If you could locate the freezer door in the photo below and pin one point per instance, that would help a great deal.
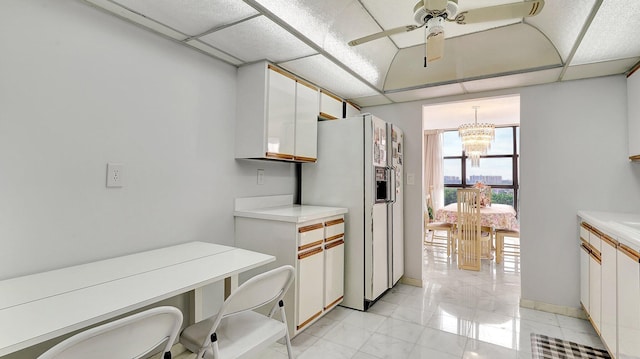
(376, 254)
(396, 207)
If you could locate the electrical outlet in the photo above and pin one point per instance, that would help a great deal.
(260, 176)
(115, 173)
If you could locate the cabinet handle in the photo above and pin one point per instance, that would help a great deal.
(333, 238)
(629, 252)
(310, 253)
(334, 302)
(304, 159)
(585, 225)
(310, 228)
(585, 247)
(595, 257)
(280, 156)
(306, 246)
(333, 244)
(333, 222)
(610, 241)
(281, 71)
(327, 116)
(308, 320)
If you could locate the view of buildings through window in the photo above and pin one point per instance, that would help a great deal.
(498, 169)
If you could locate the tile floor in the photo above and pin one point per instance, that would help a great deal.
(457, 314)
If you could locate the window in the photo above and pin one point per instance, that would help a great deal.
(498, 169)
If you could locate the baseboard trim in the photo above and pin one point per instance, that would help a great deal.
(411, 281)
(552, 308)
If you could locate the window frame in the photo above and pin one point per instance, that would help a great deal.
(515, 156)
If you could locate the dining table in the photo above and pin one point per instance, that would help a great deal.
(496, 216)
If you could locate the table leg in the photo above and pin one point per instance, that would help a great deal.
(195, 306)
(230, 284)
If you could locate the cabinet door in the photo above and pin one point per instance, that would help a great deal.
(608, 313)
(633, 113)
(595, 291)
(333, 273)
(281, 107)
(309, 286)
(351, 110)
(306, 131)
(628, 303)
(330, 106)
(584, 266)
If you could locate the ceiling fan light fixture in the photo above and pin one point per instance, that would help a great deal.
(476, 139)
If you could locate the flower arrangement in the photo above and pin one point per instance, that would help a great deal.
(485, 194)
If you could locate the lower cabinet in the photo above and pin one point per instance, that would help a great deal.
(315, 248)
(628, 302)
(610, 290)
(309, 293)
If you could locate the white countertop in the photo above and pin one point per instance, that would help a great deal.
(625, 227)
(294, 213)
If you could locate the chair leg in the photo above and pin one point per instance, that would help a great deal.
(287, 339)
(499, 247)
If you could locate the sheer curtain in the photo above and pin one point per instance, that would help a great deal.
(433, 174)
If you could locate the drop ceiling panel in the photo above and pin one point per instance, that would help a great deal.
(426, 93)
(325, 74)
(191, 17)
(474, 56)
(562, 22)
(613, 34)
(511, 81)
(311, 18)
(371, 101)
(599, 69)
(256, 39)
(370, 60)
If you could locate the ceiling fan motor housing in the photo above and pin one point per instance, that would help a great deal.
(422, 15)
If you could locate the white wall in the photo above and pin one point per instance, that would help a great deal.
(573, 156)
(80, 88)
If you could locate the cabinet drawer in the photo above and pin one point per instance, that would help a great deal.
(310, 235)
(334, 229)
(584, 232)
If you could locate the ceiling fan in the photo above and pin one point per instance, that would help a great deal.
(432, 14)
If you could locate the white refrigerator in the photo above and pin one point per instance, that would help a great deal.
(360, 167)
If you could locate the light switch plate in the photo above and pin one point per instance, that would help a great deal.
(260, 176)
(411, 178)
(115, 175)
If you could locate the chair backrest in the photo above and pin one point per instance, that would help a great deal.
(264, 288)
(133, 337)
(469, 245)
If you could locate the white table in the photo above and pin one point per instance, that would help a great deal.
(43, 306)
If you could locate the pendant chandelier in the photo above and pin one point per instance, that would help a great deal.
(476, 139)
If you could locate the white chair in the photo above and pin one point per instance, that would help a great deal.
(236, 331)
(134, 336)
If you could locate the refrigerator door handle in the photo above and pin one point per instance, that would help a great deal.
(391, 195)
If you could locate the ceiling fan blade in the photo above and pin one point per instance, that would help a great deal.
(500, 12)
(378, 35)
(435, 47)
(435, 4)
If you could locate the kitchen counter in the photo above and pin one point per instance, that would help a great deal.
(291, 213)
(624, 226)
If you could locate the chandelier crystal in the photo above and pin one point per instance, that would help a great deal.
(476, 139)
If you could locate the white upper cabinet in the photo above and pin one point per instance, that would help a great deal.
(330, 106)
(307, 105)
(351, 110)
(633, 113)
(276, 115)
